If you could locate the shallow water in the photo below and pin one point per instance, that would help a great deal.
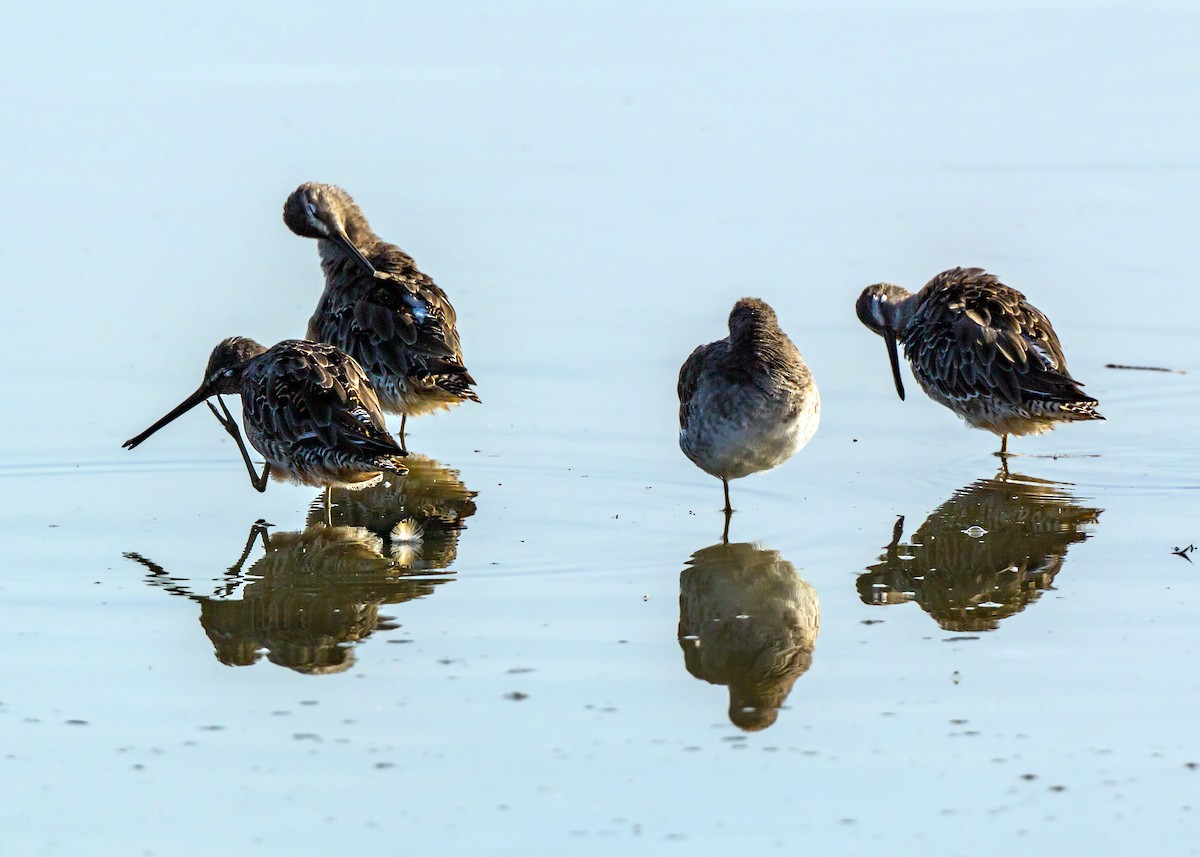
(594, 187)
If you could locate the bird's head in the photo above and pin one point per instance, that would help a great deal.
(223, 375)
(328, 213)
(884, 309)
(227, 363)
(750, 316)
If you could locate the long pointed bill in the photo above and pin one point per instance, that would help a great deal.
(890, 338)
(346, 244)
(182, 408)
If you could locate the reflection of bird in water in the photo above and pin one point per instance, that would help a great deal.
(979, 348)
(307, 407)
(749, 621)
(309, 597)
(983, 555)
(419, 518)
(379, 308)
(748, 402)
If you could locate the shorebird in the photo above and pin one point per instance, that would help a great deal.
(419, 521)
(983, 555)
(747, 402)
(748, 621)
(308, 408)
(305, 603)
(379, 308)
(979, 348)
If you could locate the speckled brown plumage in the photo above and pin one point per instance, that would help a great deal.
(984, 554)
(419, 520)
(304, 603)
(307, 407)
(981, 349)
(748, 621)
(310, 410)
(748, 402)
(379, 308)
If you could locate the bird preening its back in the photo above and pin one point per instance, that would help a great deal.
(307, 407)
(379, 308)
(981, 349)
(747, 402)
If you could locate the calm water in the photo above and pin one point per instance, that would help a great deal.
(552, 669)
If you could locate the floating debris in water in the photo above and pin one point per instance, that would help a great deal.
(1145, 368)
(1183, 552)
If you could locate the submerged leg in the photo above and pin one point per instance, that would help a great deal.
(258, 480)
(725, 532)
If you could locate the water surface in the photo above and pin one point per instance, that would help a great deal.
(594, 187)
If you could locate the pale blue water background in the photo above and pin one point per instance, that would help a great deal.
(594, 185)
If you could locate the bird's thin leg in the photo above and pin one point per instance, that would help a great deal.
(403, 423)
(1003, 445)
(258, 480)
(728, 507)
(328, 507)
(725, 532)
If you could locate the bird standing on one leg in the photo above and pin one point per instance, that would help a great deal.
(308, 408)
(748, 402)
(979, 348)
(379, 308)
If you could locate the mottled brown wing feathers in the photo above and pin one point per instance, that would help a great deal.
(426, 317)
(972, 335)
(304, 393)
(689, 379)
